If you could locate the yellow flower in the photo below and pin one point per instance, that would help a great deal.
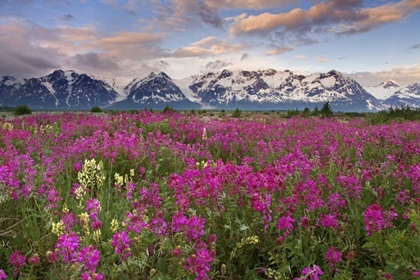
(58, 228)
(114, 225)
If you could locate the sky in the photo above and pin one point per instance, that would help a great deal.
(370, 41)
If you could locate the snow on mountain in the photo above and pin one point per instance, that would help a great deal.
(384, 90)
(271, 89)
(254, 90)
(8, 85)
(155, 90)
(406, 96)
(62, 90)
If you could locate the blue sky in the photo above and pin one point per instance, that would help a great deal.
(370, 41)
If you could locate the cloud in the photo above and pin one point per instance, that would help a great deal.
(216, 65)
(402, 75)
(322, 59)
(92, 61)
(302, 57)
(206, 47)
(19, 56)
(333, 16)
(28, 49)
(67, 17)
(415, 46)
(279, 50)
(244, 56)
(180, 15)
(248, 4)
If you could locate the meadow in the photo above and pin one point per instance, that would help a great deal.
(153, 195)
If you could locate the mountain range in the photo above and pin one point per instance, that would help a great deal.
(249, 90)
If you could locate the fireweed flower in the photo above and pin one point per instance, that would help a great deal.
(195, 228)
(3, 275)
(51, 256)
(329, 221)
(34, 259)
(17, 260)
(333, 256)
(285, 224)
(261, 203)
(311, 273)
(121, 244)
(90, 257)
(91, 275)
(373, 218)
(199, 264)
(68, 246)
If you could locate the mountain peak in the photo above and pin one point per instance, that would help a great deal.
(335, 73)
(389, 84)
(225, 73)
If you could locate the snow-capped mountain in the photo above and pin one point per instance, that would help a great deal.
(62, 90)
(271, 89)
(8, 85)
(249, 90)
(406, 96)
(384, 90)
(154, 91)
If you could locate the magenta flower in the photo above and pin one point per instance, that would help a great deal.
(34, 259)
(68, 245)
(17, 259)
(329, 221)
(3, 275)
(374, 220)
(90, 257)
(51, 256)
(199, 264)
(194, 228)
(121, 243)
(311, 273)
(91, 275)
(333, 256)
(415, 273)
(285, 224)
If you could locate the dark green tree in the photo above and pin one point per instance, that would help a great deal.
(326, 110)
(237, 113)
(96, 109)
(22, 110)
(315, 111)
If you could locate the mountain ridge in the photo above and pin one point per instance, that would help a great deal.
(266, 89)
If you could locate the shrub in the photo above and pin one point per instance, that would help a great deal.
(395, 114)
(306, 112)
(292, 113)
(22, 110)
(96, 109)
(237, 113)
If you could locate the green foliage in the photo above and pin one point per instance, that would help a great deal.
(326, 110)
(292, 113)
(168, 109)
(397, 114)
(96, 109)
(237, 113)
(306, 112)
(315, 111)
(22, 110)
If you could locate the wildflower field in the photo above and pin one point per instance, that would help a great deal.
(180, 196)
